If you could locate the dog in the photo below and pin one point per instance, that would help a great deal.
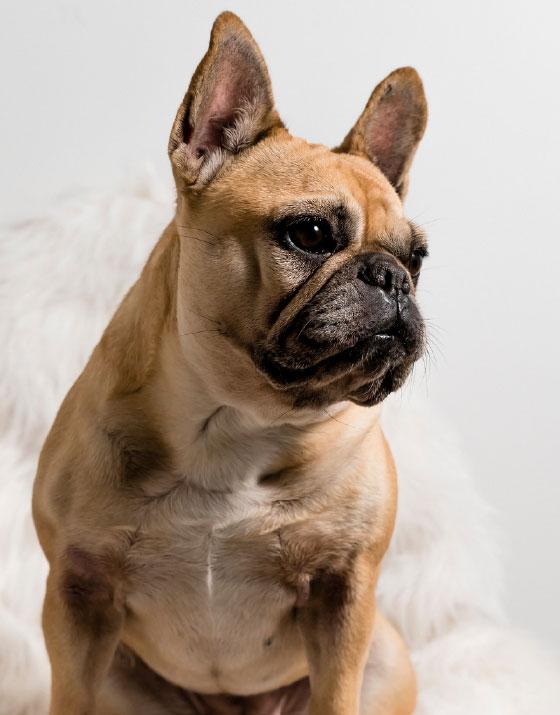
(216, 495)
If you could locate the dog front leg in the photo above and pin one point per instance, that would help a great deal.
(337, 623)
(82, 623)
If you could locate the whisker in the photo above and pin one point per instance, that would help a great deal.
(333, 417)
(205, 317)
(201, 240)
(197, 332)
(295, 428)
(305, 326)
(416, 219)
(283, 414)
(192, 227)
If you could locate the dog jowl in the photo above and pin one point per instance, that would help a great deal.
(214, 533)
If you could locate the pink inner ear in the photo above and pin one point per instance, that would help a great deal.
(227, 90)
(238, 83)
(388, 134)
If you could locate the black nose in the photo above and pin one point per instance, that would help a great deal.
(382, 271)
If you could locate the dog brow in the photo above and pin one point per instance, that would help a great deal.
(400, 243)
(325, 206)
(418, 236)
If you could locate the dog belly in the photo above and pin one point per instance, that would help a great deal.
(216, 620)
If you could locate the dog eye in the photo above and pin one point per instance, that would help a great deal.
(415, 262)
(311, 236)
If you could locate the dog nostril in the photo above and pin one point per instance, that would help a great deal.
(386, 279)
(384, 276)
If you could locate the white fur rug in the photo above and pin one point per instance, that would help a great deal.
(61, 276)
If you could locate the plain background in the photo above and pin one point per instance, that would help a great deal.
(89, 89)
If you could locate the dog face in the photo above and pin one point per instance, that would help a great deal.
(298, 256)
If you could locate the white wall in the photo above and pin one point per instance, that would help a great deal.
(91, 87)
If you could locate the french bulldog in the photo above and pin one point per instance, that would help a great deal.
(216, 495)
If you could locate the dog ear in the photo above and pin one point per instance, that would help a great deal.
(391, 126)
(228, 105)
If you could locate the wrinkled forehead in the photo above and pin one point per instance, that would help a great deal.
(278, 179)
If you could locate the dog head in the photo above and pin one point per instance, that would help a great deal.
(296, 256)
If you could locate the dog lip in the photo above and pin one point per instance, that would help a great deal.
(357, 345)
(286, 375)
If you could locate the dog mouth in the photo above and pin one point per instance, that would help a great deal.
(364, 371)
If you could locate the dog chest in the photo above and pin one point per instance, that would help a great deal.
(213, 594)
(209, 610)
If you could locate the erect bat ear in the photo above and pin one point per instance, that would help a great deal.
(228, 105)
(391, 126)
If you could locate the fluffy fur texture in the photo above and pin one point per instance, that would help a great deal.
(61, 277)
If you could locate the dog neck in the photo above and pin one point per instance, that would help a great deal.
(222, 444)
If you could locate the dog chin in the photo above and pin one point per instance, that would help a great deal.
(375, 391)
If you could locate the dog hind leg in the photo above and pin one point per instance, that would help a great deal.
(389, 685)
